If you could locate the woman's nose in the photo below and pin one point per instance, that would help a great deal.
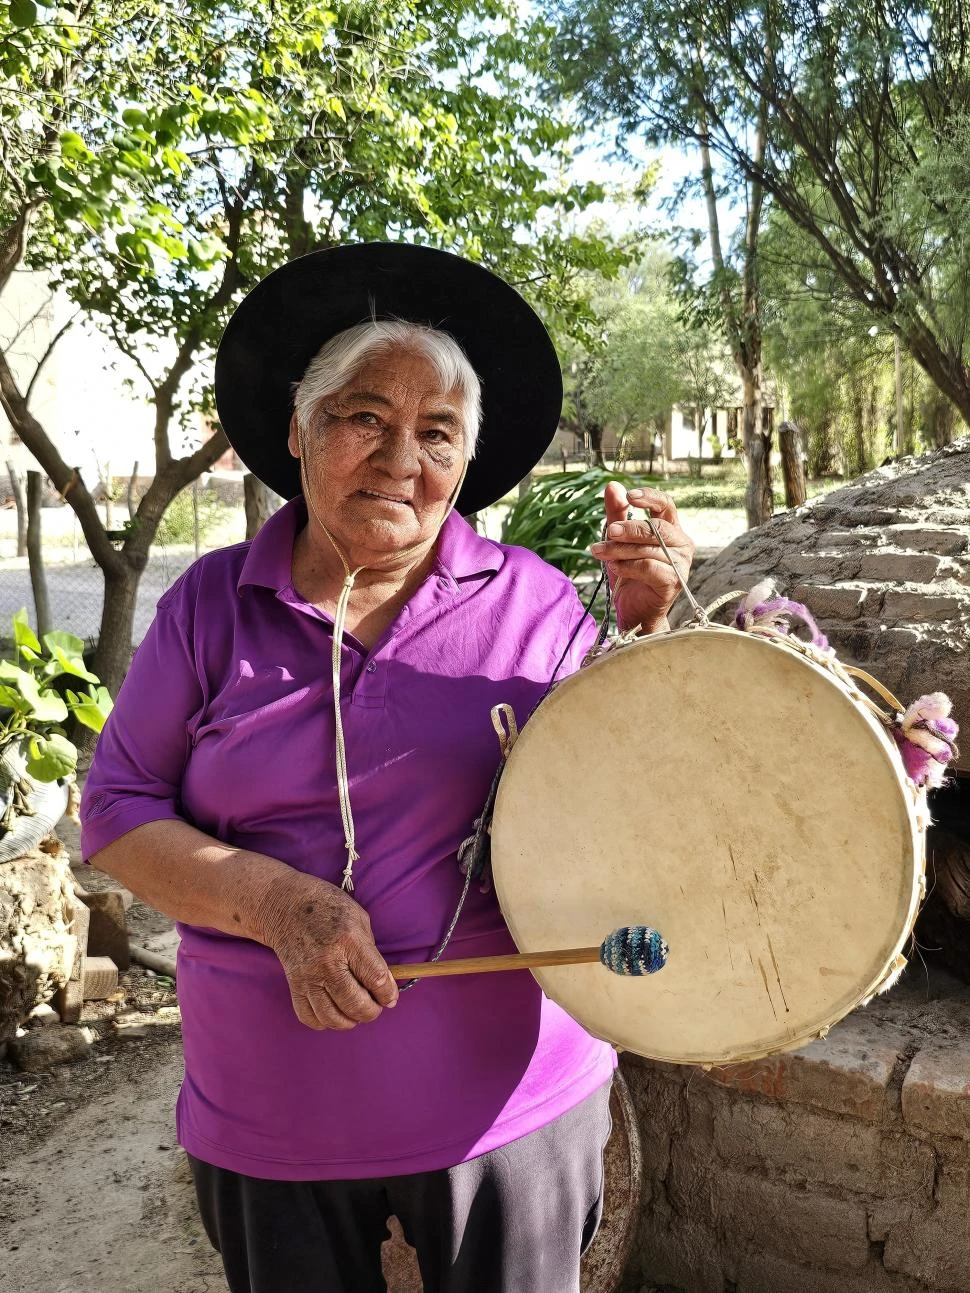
(398, 454)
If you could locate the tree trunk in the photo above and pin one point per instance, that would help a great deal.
(260, 503)
(858, 430)
(20, 499)
(525, 484)
(756, 441)
(789, 441)
(900, 437)
(595, 433)
(35, 552)
(113, 652)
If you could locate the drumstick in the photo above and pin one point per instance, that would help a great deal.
(633, 950)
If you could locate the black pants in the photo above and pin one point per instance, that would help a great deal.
(516, 1220)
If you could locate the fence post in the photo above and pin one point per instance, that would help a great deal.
(789, 441)
(20, 499)
(35, 554)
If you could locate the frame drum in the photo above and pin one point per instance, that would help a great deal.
(740, 798)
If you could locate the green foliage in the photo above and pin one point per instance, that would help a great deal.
(632, 378)
(866, 115)
(32, 709)
(178, 153)
(836, 364)
(650, 355)
(560, 516)
(177, 526)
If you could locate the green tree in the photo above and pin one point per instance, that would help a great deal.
(868, 112)
(838, 365)
(635, 377)
(646, 68)
(176, 153)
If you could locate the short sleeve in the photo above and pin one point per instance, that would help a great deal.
(136, 774)
(578, 636)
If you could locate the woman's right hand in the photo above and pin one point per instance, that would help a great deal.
(337, 977)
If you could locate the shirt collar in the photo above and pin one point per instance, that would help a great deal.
(462, 553)
(269, 561)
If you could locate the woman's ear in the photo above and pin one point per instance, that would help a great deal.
(293, 439)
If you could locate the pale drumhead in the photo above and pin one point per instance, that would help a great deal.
(730, 793)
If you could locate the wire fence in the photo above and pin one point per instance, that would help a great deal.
(75, 584)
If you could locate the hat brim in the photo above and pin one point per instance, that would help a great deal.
(283, 322)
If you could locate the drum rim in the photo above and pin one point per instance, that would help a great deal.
(911, 796)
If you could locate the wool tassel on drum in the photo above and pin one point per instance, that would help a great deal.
(924, 732)
(764, 609)
(926, 736)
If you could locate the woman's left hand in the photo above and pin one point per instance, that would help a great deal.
(643, 583)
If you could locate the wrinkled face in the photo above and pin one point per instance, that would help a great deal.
(384, 455)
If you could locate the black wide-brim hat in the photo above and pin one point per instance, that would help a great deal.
(283, 322)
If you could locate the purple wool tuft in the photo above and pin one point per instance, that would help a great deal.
(926, 737)
(759, 610)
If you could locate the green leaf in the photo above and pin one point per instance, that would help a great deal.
(73, 665)
(74, 147)
(10, 698)
(23, 634)
(23, 13)
(45, 707)
(51, 757)
(69, 644)
(92, 707)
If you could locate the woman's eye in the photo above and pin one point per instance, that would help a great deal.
(368, 419)
(437, 435)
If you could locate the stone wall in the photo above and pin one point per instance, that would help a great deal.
(840, 1168)
(883, 564)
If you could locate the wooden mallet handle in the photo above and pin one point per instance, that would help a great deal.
(487, 964)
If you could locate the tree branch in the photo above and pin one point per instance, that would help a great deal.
(47, 354)
(67, 481)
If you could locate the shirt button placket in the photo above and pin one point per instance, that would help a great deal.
(371, 685)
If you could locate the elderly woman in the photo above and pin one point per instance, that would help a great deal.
(300, 747)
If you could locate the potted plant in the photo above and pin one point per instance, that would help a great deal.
(41, 687)
(37, 760)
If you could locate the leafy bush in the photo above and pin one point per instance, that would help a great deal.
(32, 711)
(561, 515)
(178, 523)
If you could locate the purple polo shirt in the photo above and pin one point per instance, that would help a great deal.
(226, 721)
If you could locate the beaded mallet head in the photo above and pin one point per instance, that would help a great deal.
(635, 950)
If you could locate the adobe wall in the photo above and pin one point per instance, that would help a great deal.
(840, 1168)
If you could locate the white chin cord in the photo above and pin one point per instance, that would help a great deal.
(339, 622)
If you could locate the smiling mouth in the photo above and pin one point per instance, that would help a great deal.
(385, 498)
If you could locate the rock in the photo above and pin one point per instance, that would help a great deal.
(42, 1048)
(36, 944)
(43, 1015)
(883, 564)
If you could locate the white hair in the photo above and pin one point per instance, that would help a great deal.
(343, 356)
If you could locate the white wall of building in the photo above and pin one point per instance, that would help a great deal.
(90, 398)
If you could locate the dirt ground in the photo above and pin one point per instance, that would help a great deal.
(95, 1194)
